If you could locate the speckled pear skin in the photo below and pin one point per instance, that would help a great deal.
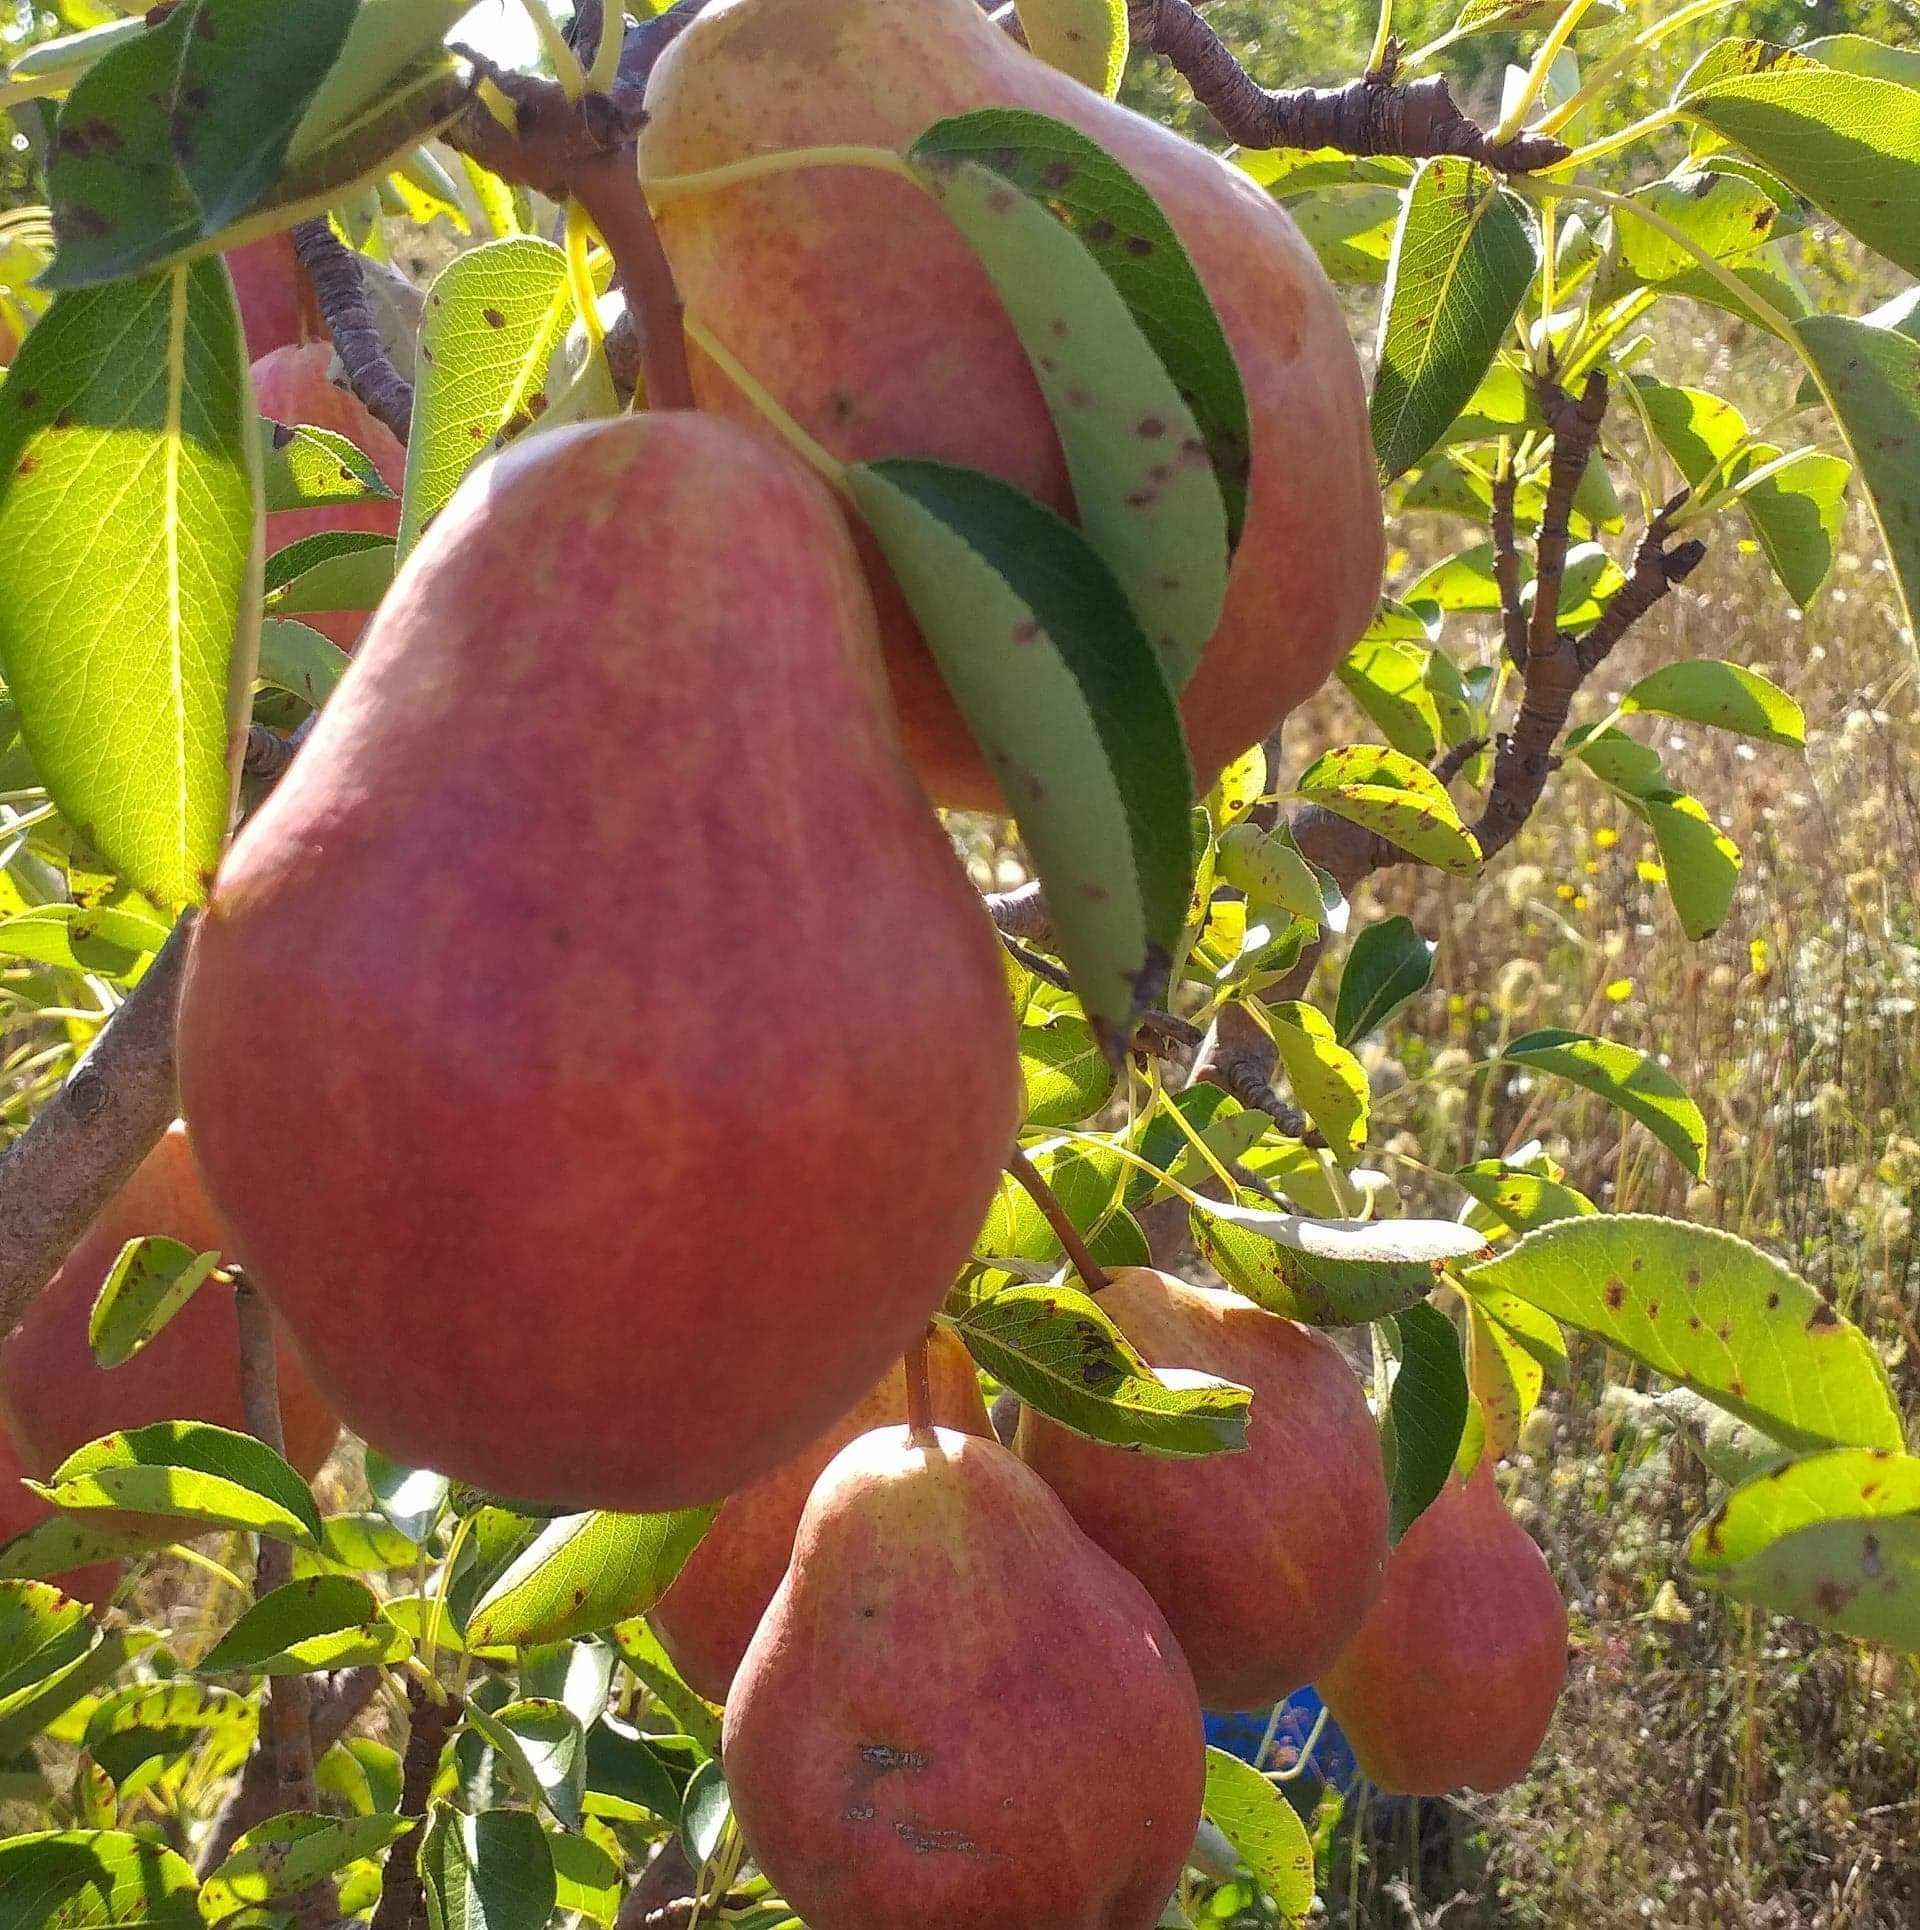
(849, 295)
(594, 1044)
(55, 1398)
(1455, 1675)
(707, 1618)
(1264, 1562)
(958, 1711)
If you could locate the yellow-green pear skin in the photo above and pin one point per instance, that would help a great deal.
(848, 295)
(1264, 1561)
(958, 1712)
(593, 1044)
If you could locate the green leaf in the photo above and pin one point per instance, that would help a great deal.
(129, 492)
(1833, 1539)
(1388, 680)
(586, 1572)
(189, 1468)
(61, 1542)
(704, 1810)
(1389, 964)
(1071, 707)
(413, 1499)
(627, 1782)
(1264, 1829)
(1327, 1080)
(290, 1853)
(322, 1622)
(1462, 260)
(544, 1748)
(40, 1631)
(1085, 38)
(366, 1542)
(1625, 1078)
(1712, 1313)
(247, 74)
(495, 318)
(149, 1282)
(587, 1879)
(307, 468)
(1087, 189)
(1510, 16)
(1701, 862)
(1153, 513)
(94, 1880)
(1271, 869)
(1328, 1273)
(81, 938)
(1706, 690)
(1391, 794)
(487, 1872)
(1059, 1352)
(157, 1723)
(30, 1709)
(1871, 378)
(1850, 143)
(1350, 228)
(1067, 1076)
(1797, 506)
(298, 659)
(1725, 215)
(1518, 1199)
(343, 569)
(1425, 1413)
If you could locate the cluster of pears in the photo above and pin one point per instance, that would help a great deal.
(604, 1066)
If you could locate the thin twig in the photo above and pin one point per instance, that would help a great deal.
(89, 1138)
(605, 187)
(1084, 1264)
(1372, 115)
(1240, 1059)
(338, 286)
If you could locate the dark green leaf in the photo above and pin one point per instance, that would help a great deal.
(1624, 1077)
(94, 1880)
(487, 1872)
(322, 1622)
(1425, 1413)
(1389, 964)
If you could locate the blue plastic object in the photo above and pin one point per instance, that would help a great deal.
(1241, 1735)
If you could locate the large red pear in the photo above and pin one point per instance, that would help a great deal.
(1455, 1675)
(276, 307)
(846, 292)
(958, 1711)
(1264, 1562)
(594, 1044)
(55, 1398)
(707, 1618)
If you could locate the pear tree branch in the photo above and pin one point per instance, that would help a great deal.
(1376, 114)
(338, 286)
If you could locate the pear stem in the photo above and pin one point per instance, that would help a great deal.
(919, 1388)
(1089, 1269)
(603, 187)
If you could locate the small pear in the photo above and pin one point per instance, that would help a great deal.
(707, 1618)
(1265, 1561)
(958, 1712)
(1455, 1675)
(654, 1053)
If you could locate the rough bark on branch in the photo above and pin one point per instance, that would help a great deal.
(1373, 115)
(88, 1139)
(403, 1896)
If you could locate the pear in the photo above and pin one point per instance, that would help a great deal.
(957, 1710)
(277, 308)
(290, 387)
(594, 1044)
(22, 1509)
(1455, 1675)
(1264, 1562)
(55, 1397)
(707, 1618)
(846, 292)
